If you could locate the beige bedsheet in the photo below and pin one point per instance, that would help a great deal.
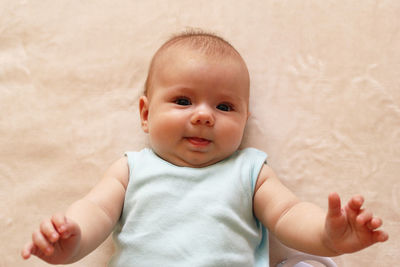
(325, 101)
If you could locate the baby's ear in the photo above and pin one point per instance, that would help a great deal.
(144, 112)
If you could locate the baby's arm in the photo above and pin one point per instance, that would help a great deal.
(86, 223)
(306, 227)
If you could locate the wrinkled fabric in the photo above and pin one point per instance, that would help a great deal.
(325, 101)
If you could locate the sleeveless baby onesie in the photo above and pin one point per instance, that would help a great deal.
(182, 216)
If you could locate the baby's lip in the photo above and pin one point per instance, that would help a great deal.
(198, 141)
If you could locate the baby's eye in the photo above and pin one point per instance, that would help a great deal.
(182, 101)
(225, 107)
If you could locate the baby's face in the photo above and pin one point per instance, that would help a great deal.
(197, 108)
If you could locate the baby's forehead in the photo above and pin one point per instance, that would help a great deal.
(203, 47)
(197, 64)
(188, 65)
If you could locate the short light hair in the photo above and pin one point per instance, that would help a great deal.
(205, 42)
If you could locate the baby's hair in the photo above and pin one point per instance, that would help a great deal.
(208, 43)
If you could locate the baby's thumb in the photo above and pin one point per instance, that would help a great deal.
(334, 205)
(27, 251)
(70, 229)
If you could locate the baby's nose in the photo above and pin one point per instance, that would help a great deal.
(203, 116)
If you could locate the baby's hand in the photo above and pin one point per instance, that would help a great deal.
(351, 228)
(56, 241)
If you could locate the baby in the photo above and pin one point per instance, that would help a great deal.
(194, 198)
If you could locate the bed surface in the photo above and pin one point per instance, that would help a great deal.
(325, 101)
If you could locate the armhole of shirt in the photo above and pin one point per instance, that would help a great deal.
(130, 156)
(259, 161)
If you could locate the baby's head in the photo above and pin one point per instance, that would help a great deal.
(195, 105)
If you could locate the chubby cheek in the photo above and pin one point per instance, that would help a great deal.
(163, 130)
(231, 135)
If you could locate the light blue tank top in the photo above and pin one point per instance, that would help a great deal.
(181, 216)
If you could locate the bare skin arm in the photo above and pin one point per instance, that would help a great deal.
(306, 227)
(66, 238)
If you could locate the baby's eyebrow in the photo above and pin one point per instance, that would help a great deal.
(231, 97)
(181, 89)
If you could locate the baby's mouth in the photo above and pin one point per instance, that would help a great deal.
(197, 141)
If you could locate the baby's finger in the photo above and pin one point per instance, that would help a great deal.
(41, 243)
(356, 202)
(48, 230)
(59, 220)
(334, 205)
(380, 236)
(27, 251)
(363, 218)
(374, 223)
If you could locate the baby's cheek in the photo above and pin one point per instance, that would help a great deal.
(233, 135)
(163, 132)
